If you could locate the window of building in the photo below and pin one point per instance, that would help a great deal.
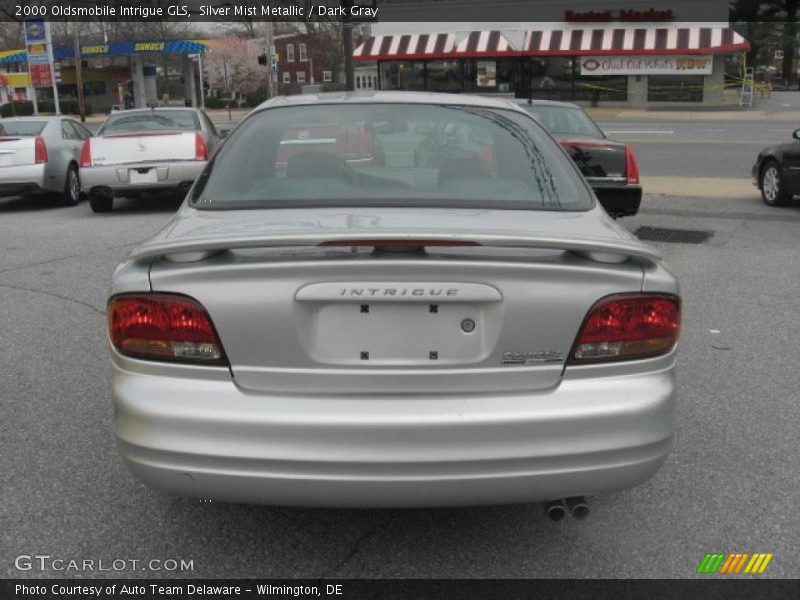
(94, 88)
(327, 76)
(287, 77)
(403, 75)
(289, 52)
(675, 88)
(302, 51)
(301, 77)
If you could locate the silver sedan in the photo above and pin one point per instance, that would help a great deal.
(336, 317)
(40, 155)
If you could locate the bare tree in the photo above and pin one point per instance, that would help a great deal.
(233, 65)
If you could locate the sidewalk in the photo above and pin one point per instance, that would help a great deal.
(737, 114)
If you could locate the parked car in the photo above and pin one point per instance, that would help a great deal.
(348, 333)
(40, 155)
(146, 150)
(776, 172)
(610, 167)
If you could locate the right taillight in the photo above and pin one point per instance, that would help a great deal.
(86, 154)
(165, 327)
(631, 166)
(40, 151)
(200, 147)
(628, 327)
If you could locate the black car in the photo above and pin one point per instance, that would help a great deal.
(610, 167)
(777, 172)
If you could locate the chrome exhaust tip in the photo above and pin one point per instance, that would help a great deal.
(555, 510)
(578, 507)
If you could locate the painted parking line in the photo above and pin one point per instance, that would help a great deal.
(644, 131)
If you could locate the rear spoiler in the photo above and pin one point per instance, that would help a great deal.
(195, 249)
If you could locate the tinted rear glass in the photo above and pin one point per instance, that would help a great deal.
(562, 120)
(21, 128)
(390, 155)
(154, 120)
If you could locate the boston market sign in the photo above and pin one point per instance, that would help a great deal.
(628, 15)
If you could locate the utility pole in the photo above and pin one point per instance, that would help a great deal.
(271, 85)
(79, 74)
(347, 40)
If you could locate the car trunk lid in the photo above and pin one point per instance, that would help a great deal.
(144, 147)
(597, 159)
(17, 151)
(310, 317)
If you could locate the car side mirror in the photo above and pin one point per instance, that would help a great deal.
(796, 134)
(223, 133)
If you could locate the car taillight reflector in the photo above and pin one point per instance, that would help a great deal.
(627, 327)
(169, 327)
(86, 154)
(200, 147)
(631, 165)
(40, 151)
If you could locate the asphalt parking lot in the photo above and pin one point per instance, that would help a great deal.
(730, 484)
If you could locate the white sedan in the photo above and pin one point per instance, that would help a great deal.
(40, 155)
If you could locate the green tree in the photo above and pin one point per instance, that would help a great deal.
(769, 25)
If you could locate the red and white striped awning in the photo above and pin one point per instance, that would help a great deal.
(633, 40)
(650, 40)
(485, 43)
(468, 44)
(406, 47)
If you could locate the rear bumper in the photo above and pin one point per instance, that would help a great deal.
(24, 179)
(621, 200)
(206, 438)
(116, 179)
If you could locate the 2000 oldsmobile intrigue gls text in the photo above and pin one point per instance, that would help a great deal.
(393, 299)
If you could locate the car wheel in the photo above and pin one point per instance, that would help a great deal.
(100, 203)
(72, 187)
(774, 191)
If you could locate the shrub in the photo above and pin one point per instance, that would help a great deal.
(25, 109)
(20, 109)
(214, 102)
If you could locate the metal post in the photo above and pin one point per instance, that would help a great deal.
(79, 75)
(347, 39)
(271, 85)
(200, 72)
(52, 64)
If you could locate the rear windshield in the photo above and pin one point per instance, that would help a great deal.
(565, 120)
(153, 120)
(390, 155)
(21, 128)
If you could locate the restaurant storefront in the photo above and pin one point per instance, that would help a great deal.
(632, 64)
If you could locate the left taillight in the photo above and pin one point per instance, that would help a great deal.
(200, 147)
(86, 154)
(163, 327)
(40, 151)
(631, 165)
(628, 327)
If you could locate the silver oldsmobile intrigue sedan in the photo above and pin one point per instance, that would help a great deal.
(393, 299)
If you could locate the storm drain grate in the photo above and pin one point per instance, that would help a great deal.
(673, 236)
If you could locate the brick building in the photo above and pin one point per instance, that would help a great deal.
(307, 58)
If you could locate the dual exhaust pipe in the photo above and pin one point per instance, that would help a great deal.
(575, 506)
